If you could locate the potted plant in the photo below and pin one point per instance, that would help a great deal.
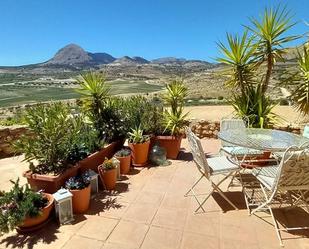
(105, 113)
(139, 145)
(79, 186)
(24, 209)
(124, 157)
(108, 173)
(57, 141)
(174, 118)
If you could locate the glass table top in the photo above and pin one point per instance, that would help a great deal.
(263, 139)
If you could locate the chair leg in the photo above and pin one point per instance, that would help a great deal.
(191, 189)
(224, 197)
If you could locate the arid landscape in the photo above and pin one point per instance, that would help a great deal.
(55, 79)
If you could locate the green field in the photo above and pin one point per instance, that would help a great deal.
(12, 95)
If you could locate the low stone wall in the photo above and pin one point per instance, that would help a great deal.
(210, 129)
(7, 136)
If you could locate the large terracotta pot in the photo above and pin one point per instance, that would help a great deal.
(108, 177)
(171, 144)
(97, 158)
(125, 163)
(35, 221)
(81, 200)
(51, 183)
(139, 153)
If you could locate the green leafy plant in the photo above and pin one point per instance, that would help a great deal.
(54, 134)
(255, 106)
(174, 119)
(300, 82)
(93, 88)
(19, 203)
(270, 36)
(109, 164)
(123, 152)
(136, 136)
(144, 112)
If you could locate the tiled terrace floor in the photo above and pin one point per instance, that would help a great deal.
(150, 211)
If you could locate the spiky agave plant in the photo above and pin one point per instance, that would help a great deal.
(270, 36)
(300, 81)
(95, 91)
(238, 55)
(255, 106)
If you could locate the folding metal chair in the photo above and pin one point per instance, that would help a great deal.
(281, 186)
(208, 168)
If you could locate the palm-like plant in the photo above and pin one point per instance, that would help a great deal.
(255, 106)
(269, 32)
(300, 81)
(174, 119)
(238, 55)
(95, 92)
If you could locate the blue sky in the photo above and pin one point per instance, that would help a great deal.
(33, 30)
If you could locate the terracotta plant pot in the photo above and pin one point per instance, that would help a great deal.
(81, 199)
(139, 153)
(125, 163)
(108, 177)
(51, 183)
(171, 144)
(35, 221)
(259, 160)
(97, 158)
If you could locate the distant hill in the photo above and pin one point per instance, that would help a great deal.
(126, 60)
(74, 55)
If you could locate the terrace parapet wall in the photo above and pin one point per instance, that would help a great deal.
(9, 134)
(210, 129)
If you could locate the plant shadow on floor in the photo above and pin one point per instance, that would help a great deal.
(106, 200)
(44, 236)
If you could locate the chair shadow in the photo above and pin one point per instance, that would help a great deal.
(293, 217)
(236, 197)
(46, 236)
(187, 156)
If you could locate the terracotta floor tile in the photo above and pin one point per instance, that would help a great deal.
(197, 241)
(82, 242)
(162, 238)
(128, 233)
(175, 200)
(140, 212)
(98, 228)
(148, 197)
(156, 185)
(207, 224)
(170, 218)
(108, 245)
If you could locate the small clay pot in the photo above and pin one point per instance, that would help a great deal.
(171, 144)
(108, 177)
(125, 163)
(139, 153)
(81, 199)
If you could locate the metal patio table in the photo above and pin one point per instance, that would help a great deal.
(263, 139)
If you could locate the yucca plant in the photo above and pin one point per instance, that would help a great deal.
(300, 82)
(94, 90)
(174, 118)
(270, 37)
(238, 55)
(255, 106)
(136, 136)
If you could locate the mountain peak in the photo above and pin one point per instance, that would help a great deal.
(73, 54)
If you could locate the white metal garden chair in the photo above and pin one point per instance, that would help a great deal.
(281, 186)
(208, 168)
(230, 149)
